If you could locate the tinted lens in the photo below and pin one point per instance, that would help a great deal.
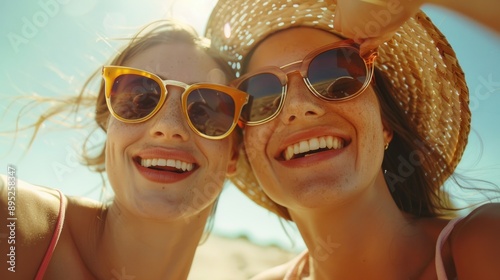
(265, 90)
(210, 111)
(134, 96)
(337, 73)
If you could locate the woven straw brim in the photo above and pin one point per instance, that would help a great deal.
(418, 61)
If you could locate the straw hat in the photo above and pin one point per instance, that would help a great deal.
(418, 61)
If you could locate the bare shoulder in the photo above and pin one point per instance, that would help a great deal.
(475, 243)
(31, 213)
(31, 205)
(34, 211)
(483, 221)
(83, 215)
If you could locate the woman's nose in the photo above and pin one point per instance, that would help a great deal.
(170, 122)
(300, 103)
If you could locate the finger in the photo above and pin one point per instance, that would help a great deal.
(337, 23)
(370, 44)
(374, 42)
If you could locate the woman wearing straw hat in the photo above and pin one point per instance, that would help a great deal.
(355, 147)
(165, 163)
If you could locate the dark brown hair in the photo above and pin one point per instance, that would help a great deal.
(410, 160)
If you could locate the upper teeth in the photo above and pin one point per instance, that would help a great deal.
(184, 166)
(312, 144)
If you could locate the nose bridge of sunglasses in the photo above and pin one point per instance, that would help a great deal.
(176, 84)
(173, 87)
(292, 67)
(292, 74)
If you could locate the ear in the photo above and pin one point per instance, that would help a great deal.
(235, 153)
(387, 131)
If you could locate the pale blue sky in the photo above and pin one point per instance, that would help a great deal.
(51, 49)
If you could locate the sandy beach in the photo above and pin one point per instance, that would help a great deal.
(222, 258)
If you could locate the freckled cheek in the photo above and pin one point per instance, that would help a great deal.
(220, 153)
(370, 133)
(255, 141)
(125, 131)
(119, 137)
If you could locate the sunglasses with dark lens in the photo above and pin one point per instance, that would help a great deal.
(335, 72)
(133, 95)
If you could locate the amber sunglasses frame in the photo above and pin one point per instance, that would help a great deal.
(111, 73)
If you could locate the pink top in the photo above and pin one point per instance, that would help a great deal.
(440, 271)
(55, 238)
(300, 264)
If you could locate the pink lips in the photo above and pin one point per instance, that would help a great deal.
(164, 176)
(314, 152)
(160, 176)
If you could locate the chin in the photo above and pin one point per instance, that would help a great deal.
(313, 194)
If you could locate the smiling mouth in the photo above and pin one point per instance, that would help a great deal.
(312, 146)
(170, 165)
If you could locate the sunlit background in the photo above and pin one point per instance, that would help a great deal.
(50, 47)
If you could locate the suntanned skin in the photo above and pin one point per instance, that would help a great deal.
(151, 230)
(340, 198)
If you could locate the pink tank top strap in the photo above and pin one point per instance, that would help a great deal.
(440, 271)
(55, 238)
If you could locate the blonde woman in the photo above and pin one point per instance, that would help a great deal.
(170, 125)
